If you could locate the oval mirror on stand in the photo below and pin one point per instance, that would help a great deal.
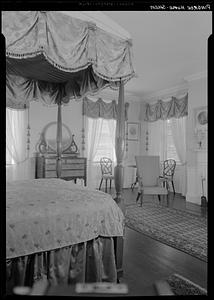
(48, 140)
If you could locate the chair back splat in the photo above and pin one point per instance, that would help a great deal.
(106, 165)
(169, 167)
(106, 170)
(168, 172)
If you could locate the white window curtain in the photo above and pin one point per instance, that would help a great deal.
(18, 166)
(159, 144)
(94, 140)
(112, 129)
(178, 127)
(16, 125)
(157, 139)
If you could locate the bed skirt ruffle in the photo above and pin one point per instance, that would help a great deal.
(91, 261)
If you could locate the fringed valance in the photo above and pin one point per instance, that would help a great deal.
(67, 43)
(51, 52)
(175, 108)
(102, 109)
(21, 90)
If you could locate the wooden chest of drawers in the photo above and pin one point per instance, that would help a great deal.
(72, 167)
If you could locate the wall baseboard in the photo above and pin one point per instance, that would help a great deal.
(193, 199)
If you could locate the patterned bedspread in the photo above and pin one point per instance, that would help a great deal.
(46, 214)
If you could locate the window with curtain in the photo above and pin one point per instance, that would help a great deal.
(106, 145)
(167, 139)
(16, 124)
(101, 137)
(167, 135)
(171, 151)
(100, 142)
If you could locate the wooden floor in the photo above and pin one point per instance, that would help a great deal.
(146, 260)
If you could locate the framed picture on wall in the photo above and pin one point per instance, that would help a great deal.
(201, 122)
(133, 131)
(201, 117)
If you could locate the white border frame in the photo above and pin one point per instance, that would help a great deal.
(136, 126)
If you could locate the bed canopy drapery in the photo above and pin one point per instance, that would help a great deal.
(57, 56)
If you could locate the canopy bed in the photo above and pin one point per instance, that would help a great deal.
(54, 57)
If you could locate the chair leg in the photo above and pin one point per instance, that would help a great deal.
(167, 186)
(173, 187)
(159, 198)
(167, 198)
(101, 183)
(138, 196)
(110, 184)
(134, 183)
(106, 185)
(141, 199)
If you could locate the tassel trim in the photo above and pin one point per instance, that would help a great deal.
(71, 70)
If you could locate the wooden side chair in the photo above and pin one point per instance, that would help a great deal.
(148, 173)
(106, 170)
(168, 173)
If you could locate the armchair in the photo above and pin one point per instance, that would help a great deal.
(148, 172)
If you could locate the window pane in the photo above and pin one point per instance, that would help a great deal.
(161, 140)
(16, 138)
(171, 150)
(106, 145)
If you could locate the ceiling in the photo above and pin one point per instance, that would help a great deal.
(167, 47)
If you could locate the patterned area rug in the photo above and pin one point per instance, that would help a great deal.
(179, 229)
(182, 286)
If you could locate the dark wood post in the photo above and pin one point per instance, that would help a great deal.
(120, 145)
(59, 141)
(119, 173)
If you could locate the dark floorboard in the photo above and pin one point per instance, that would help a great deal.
(146, 260)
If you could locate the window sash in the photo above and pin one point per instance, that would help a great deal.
(106, 145)
(16, 138)
(161, 140)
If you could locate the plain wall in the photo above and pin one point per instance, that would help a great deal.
(133, 147)
(196, 160)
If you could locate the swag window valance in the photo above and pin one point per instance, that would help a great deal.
(175, 108)
(102, 109)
